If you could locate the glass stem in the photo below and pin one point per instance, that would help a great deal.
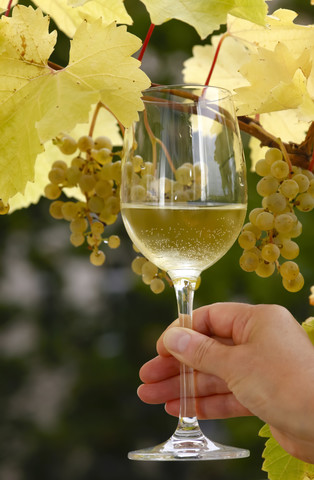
(188, 423)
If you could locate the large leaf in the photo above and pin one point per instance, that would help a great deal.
(37, 101)
(233, 55)
(205, 15)
(278, 463)
(68, 14)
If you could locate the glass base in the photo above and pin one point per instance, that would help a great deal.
(184, 449)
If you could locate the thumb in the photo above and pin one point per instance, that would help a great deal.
(198, 351)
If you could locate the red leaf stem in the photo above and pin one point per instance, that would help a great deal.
(147, 38)
(8, 8)
(311, 165)
(215, 57)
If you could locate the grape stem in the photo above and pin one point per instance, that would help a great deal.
(225, 35)
(147, 38)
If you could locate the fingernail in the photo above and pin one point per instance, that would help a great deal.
(176, 340)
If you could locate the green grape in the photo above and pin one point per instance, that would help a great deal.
(184, 174)
(252, 228)
(289, 270)
(310, 190)
(249, 261)
(78, 162)
(302, 181)
(146, 279)
(165, 185)
(69, 210)
(272, 155)
(135, 248)
(103, 142)
(304, 202)
(94, 240)
(4, 208)
(265, 269)
(77, 239)
(137, 264)
(137, 163)
(103, 188)
(296, 230)
(262, 168)
(148, 168)
(97, 258)
(57, 175)
(279, 169)
(247, 239)
(149, 269)
(113, 204)
(78, 225)
(113, 241)
(107, 217)
(267, 185)
(295, 284)
(275, 202)
(96, 204)
(265, 221)
(87, 183)
(289, 188)
(290, 249)
(52, 191)
(138, 193)
(60, 164)
(284, 223)
(85, 143)
(102, 156)
(270, 252)
(254, 213)
(97, 228)
(67, 145)
(116, 171)
(55, 209)
(106, 172)
(73, 175)
(147, 181)
(157, 285)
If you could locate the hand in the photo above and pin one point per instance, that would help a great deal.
(248, 360)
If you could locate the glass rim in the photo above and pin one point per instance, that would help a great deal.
(226, 94)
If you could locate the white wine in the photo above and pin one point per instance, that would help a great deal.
(183, 240)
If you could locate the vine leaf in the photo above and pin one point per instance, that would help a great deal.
(274, 84)
(38, 102)
(205, 15)
(278, 463)
(68, 14)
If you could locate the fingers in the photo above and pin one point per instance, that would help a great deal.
(169, 389)
(224, 320)
(200, 352)
(212, 407)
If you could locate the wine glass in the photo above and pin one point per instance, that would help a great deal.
(183, 203)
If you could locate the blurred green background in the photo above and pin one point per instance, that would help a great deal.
(73, 337)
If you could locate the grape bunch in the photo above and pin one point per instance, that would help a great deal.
(98, 177)
(150, 273)
(270, 234)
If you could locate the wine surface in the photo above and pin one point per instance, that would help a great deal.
(188, 238)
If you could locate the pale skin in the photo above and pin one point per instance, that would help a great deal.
(248, 360)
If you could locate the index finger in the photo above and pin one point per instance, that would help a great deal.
(222, 320)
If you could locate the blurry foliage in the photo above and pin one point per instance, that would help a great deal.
(72, 336)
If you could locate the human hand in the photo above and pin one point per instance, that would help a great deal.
(248, 360)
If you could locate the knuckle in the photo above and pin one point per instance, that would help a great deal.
(201, 354)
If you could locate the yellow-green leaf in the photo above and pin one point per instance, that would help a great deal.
(205, 15)
(37, 101)
(68, 14)
(233, 54)
(274, 84)
(279, 464)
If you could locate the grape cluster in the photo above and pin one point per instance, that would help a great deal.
(183, 187)
(98, 177)
(272, 228)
